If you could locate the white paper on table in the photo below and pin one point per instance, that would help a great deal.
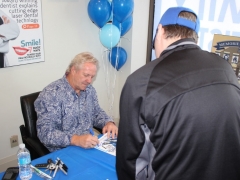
(107, 145)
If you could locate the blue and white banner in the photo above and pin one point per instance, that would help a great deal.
(216, 17)
(222, 44)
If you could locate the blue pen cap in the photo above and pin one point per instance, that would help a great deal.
(91, 131)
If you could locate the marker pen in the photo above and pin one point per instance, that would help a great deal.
(40, 173)
(91, 131)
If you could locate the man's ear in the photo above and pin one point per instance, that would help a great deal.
(161, 31)
(73, 69)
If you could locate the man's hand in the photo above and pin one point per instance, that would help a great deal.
(5, 20)
(110, 127)
(85, 141)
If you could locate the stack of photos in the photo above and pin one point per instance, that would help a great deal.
(107, 145)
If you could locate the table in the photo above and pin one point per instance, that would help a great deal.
(86, 164)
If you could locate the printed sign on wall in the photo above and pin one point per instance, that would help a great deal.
(216, 17)
(228, 47)
(21, 36)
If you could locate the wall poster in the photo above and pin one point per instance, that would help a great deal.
(216, 17)
(228, 47)
(21, 36)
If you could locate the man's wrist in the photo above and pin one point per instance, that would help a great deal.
(110, 122)
(73, 139)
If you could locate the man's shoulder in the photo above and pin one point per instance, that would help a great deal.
(57, 88)
(143, 73)
(56, 85)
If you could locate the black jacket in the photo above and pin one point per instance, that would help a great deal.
(180, 118)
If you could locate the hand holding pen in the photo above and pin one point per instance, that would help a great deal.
(85, 141)
(92, 133)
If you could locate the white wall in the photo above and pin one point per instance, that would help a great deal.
(67, 31)
(136, 43)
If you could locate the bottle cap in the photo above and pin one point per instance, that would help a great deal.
(22, 146)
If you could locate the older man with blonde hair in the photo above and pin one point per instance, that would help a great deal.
(68, 108)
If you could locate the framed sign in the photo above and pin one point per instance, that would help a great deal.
(21, 36)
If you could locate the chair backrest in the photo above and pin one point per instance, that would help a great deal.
(29, 130)
(29, 113)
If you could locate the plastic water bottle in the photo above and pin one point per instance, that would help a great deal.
(24, 162)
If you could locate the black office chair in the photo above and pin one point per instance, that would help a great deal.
(29, 131)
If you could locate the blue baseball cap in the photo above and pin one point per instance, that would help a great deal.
(171, 17)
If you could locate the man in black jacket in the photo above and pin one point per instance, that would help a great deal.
(180, 114)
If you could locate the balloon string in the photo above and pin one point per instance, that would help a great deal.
(109, 91)
(105, 68)
(114, 77)
(111, 96)
(110, 75)
(125, 38)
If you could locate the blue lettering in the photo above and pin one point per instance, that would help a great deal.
(227, 33)
(233, 9)
(212, 10)
(30, 43)
(201, 9)
(209, 46)
(214, 31)
(234, 33)
(22, 42)
(180, 2)
(201, 34)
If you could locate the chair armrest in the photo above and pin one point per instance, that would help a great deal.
(23, 131)
(36, 145)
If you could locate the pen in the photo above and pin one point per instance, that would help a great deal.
(91, 132)
(40, 172)
(64, 167)
(57, 166)
(63, 170)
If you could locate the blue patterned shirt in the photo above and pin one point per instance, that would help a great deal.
(62, 113)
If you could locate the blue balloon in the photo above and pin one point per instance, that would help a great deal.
(99, 11)
(122, 9)
(125, 25)
(109, 35)
(117, 57)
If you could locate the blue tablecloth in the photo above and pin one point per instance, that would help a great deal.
(86, 164)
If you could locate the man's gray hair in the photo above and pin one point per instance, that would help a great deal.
(80, 59)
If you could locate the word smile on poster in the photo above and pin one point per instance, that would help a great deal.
(21, 36)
